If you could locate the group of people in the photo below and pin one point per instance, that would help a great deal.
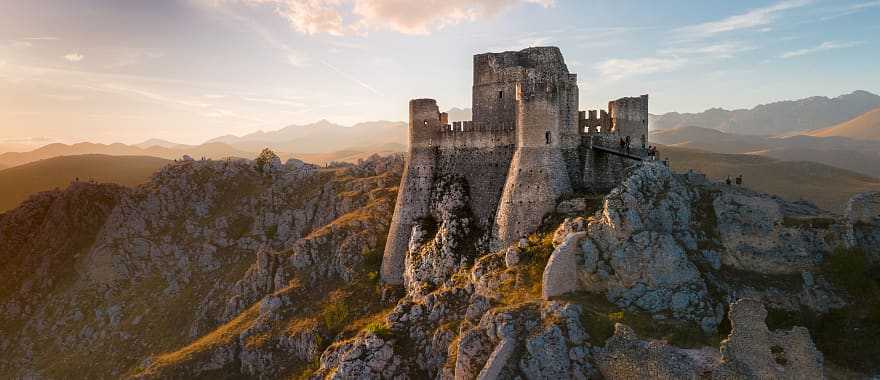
(739, 180)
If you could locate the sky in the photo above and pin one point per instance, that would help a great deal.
(191, 70)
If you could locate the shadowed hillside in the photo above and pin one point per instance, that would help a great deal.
(826, 186)
(209, 150)
(866, 126)
(859, 155)
(19, 182)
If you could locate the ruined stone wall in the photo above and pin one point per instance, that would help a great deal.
(414, 193)
(527, 146)
(539, 173)
(629, 117)
(603, 171)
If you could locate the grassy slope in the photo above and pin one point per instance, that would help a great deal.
(17, 183)
(827, 186)
(866, 126)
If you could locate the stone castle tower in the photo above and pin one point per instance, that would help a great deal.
(527, 146)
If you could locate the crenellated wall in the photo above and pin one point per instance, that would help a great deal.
(526, 147)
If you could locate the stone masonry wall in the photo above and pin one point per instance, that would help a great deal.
(629, 117)
(527, 146)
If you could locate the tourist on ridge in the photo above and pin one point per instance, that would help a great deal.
(728, 181)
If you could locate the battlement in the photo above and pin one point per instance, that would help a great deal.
(594, 121)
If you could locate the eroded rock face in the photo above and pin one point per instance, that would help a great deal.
(203, 243)
(753, 232)
(863, 223)
(626, 356)
(753, 351)
(662, 240)
(364, 357)
(750, 352)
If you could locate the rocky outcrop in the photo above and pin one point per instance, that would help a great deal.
(365, 357)
(626, 356)
(863, 224)
(560, 274)
(221, 268)
(750, 352)
(753, 351)
(205, 248)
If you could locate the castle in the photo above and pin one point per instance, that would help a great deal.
(527, 146)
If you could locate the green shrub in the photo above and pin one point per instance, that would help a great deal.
(848, 268)
(335, 315)
(372, 259)
(379, 329)
(265, 157)
(271, 232)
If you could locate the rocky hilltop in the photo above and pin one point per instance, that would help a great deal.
(244, 269)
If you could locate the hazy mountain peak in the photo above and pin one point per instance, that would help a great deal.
(777, 117)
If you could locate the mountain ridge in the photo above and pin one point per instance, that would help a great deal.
(785, 116)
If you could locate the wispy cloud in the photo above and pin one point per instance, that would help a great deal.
(132, 56)
(41, 38)
(669, 59)
(273, 101)
(74, 57)
(752, 19)
(850, 9)
(336, 17)
(353, 79)
(712, 51)
(828, 45)
(617, 69)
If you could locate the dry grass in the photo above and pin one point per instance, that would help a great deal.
(223, 335)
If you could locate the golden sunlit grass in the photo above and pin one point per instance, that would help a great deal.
(223, 335)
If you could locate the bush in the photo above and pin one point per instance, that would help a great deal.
(335, 315)
(379, 329)
(848, 268)
(264, 159)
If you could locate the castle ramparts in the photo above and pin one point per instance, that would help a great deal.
(526, 147)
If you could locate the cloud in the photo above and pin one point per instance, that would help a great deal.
(669, 59)
(616, 69)
(132, 56)
(74, 57)
(297, 59)
(828, 45)
(21, 44)
(403, 16)
(353, 79)
(850, 9)
(42, 38)
(755, 18)
(275, 102)
(707, 52)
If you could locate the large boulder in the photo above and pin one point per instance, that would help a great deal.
(752, 351)
(863, 223)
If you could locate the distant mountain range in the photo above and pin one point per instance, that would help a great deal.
(320, 137)
(865, 127)
(208, 150)
(857, 155)
(19, 182)
(775, 118)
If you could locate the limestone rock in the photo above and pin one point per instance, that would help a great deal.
(625, 356)
(863, 223)
(560, 275)
(753, 351)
